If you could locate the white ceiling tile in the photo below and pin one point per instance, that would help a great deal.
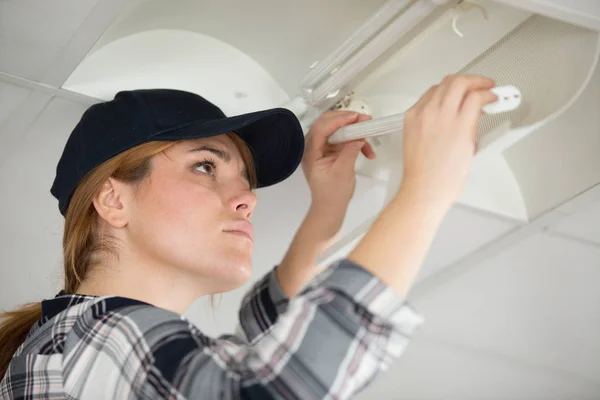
(83, 40)
(33, 32)
(19, 123)
(583, 224)
(29, 169)
(30, 266)
(537, 302)
(24, 61)
(49, 23)
(432, 370)
(31, 230)
(581, 201)
(11, 97)
(461, 233)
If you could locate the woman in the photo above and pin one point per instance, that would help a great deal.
(156, 190)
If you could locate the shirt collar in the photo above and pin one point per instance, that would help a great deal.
(61, 302)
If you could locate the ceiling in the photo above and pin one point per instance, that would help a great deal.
(512, 309)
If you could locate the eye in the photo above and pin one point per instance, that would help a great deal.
(206, 167)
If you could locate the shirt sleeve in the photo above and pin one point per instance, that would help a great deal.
(331, 341)
(261, 307)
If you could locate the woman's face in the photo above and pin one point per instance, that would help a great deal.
(194, 211)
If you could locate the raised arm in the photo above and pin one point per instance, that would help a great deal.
(329, 171)
(439, 144)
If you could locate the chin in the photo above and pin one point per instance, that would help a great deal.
(233, 271)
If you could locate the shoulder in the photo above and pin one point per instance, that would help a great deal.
(129, 343)
(127, 321)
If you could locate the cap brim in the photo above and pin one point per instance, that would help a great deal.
(274, 136)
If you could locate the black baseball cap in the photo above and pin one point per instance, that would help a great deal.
(134, 117)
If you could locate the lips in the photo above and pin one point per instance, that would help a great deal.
(241, 228)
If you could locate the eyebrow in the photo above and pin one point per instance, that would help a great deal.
(223, 155)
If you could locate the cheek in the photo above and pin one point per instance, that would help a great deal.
(180, 215)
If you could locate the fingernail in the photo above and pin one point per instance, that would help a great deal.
(358, 145)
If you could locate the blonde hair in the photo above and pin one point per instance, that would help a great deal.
(81, 240)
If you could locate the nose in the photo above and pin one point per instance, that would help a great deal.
(243, 203)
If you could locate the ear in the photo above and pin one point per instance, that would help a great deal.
(113, 201)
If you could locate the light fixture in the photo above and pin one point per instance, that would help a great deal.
(328, 77)
(530, 54)
(380, 18)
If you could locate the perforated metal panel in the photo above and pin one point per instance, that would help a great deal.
(548, 60)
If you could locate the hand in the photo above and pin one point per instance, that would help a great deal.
(329, 168)
(439, 137)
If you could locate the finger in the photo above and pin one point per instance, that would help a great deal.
(426, 97)
(328, 125)
(349, 154)
(457, 87)
(335, 148)
(368, 151)
(471, 109)
(364, 118)
(439, 94)
(333, 113)
(338, 147)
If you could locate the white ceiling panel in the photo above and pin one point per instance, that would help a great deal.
(49, 23)
(432, 370)
(461, 233)
(19, 123)
(31, 230)
(11, 97)
(581, 201)
(33, 32)
(583, 224)
(537, 302)
(30, 266)
(30, 166)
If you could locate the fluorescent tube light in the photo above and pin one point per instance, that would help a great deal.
(372, 50)
(373, 25)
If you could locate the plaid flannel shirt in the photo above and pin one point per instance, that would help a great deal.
(326, 343)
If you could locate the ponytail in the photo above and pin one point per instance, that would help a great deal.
(14, 326)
